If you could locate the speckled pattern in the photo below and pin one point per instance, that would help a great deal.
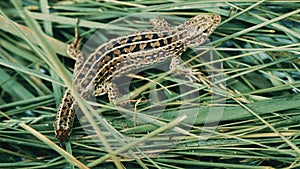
(121, 55)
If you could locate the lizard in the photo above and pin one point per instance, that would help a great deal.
(96, 72)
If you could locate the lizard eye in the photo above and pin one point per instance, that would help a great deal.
(192, 21)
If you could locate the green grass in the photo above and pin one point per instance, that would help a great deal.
(255, 90)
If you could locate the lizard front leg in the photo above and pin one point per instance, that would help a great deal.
(112, 90)
(177, 67)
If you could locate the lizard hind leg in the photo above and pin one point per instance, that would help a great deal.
(73, 49)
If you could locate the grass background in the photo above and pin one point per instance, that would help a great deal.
(257, 43)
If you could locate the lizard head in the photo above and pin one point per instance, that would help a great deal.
(199, 28)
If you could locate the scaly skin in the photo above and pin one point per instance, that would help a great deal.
(119, 56)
